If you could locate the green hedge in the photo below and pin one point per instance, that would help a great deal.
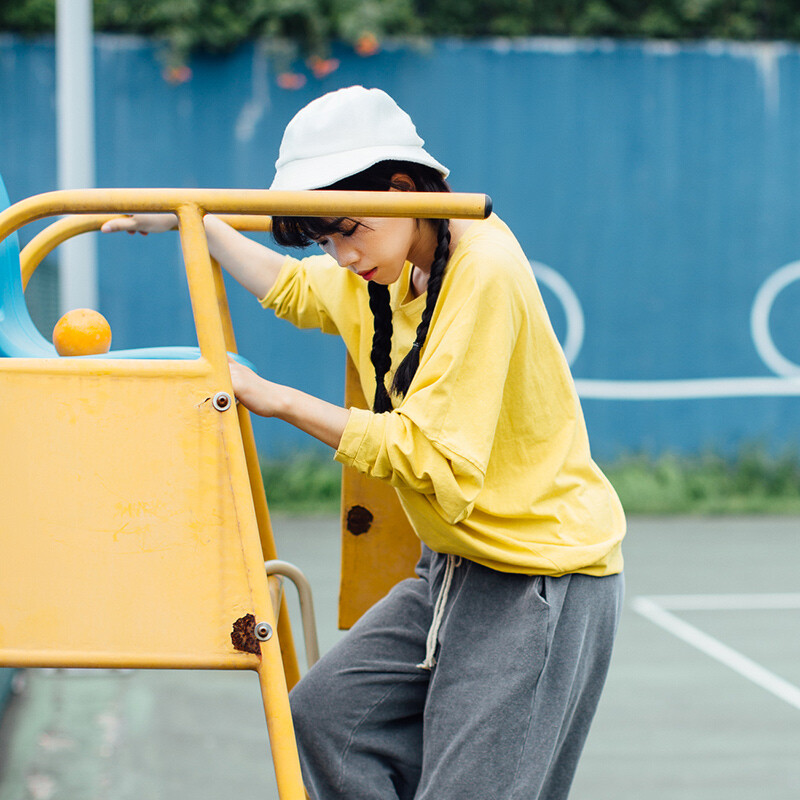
(751, 482)
(218, 25)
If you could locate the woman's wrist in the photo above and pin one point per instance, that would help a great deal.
(279, 404)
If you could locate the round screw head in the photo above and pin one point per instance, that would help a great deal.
(221, 401)
(263, 632)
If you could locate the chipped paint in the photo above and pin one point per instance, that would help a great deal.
(243, 636)
(359, 520)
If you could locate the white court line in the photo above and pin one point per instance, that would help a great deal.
(651, 608)
(727, 602)
(687, 389)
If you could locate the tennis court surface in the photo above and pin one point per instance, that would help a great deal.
(702, 702)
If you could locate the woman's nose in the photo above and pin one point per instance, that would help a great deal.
(345, 256)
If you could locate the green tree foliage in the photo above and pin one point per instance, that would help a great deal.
(219, 25)
(289, 29)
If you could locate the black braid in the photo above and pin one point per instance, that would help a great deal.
(381, 354)
(408, 366)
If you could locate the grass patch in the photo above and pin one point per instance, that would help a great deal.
(303, 484)
(750, 482)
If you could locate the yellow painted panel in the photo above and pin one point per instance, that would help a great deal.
(379, 546)
(123, 534)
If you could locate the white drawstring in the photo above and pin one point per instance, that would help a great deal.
(438, 612)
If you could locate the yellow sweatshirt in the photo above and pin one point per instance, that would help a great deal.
(488, 451)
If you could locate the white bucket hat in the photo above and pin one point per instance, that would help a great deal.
(343, 133)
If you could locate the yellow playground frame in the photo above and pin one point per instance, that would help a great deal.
(135, 526)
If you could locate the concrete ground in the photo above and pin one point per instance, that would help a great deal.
(703, 699)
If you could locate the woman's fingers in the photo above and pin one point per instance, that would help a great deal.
(141, 223)
(242, 378)
(119, 224)
(250, 389)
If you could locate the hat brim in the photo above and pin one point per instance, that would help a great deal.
(320, 171)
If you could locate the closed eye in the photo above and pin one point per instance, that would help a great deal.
(340, 229)
(350, 231)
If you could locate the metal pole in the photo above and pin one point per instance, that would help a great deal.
(75, 148)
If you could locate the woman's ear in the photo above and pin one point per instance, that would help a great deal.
(402, 183)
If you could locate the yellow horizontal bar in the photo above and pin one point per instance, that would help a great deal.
(118, 367)
(246, 201)
(85, 659)
(58, 232)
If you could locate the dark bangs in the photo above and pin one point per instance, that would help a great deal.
(303, 231)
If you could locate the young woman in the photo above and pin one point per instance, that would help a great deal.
(480, 678)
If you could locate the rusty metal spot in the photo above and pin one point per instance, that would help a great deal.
(359, 520)
(243, 635)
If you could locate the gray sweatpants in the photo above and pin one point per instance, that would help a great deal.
(503, 714)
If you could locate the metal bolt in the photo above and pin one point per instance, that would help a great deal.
(263, 632)
(221, 401)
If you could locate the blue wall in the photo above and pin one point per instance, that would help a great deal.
(659, 181)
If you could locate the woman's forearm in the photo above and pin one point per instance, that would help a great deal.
(320, 419)
(252, 264)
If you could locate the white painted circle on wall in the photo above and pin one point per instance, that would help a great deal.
(759, 320)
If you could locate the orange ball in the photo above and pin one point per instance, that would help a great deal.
(82, 332)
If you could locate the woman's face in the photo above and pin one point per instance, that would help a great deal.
(375, 248)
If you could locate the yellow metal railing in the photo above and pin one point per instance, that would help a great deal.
(134, 511)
